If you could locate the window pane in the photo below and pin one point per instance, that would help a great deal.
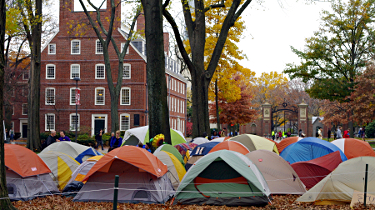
(73, 120)
(75, 47)
(52, 49)
(50, 122)
(75, 71)
(73, 96)
(24, 109)
(126, 72)
(99, 47)
(100, 71)
(125, 99)
(50, 71)
(99, 96)
(50, 96)
(136, 119)
(124, 122)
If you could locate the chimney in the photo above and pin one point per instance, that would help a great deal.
(166, 42)
(141, 24)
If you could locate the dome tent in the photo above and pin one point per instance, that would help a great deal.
(223, 178)
(254, 142)
(198, 152)
(176, 171)
(286, 142)
(232, 146)
(27, 175)
(353, 148)
(171, 149)
(83, 169)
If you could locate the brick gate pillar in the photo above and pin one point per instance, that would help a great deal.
(303, 122)
(266, 122)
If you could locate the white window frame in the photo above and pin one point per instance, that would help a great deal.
(71, 95)
(46, 120)
(178, 106)
(54, 96)
(100, 88)
(130, 71)
(71, 122)
(122, 47)
(28, 73)
(71, 71)
(24, 108)
(96, 47)
(54, 71)
(178, 86)
(126, 115)
(172, 104)
(130, 94)
(49, 49)
(96, 71)
(71, 47)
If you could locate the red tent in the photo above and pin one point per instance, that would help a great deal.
(312, 171)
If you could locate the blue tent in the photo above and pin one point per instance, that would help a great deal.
(198, 152)
(308, 149)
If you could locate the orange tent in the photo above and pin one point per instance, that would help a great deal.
(230, 145)
(23, 161)
(353, 148)
(135, 156)
(286, 142)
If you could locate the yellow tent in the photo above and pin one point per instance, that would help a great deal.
(254, 142)
(61, 165)
(176, 171)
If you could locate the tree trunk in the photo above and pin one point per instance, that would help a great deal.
(217, 107)
(156, 80)
(33, 134)
(114, 110)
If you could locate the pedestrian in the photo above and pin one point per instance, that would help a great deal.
(63, 137)
(329, 133)
(363, 133)
(280, 135)
(214, 135)
(224, 132)
(338, 133)
(99, 139)
(288, 134)
(51, 138)
(115, 142)
(320, 133)
(347, 133)
(11, 134)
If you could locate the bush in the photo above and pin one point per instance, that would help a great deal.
(189, 128)
(83, 137)
(87, 142)
(44, 135)
(370, 130)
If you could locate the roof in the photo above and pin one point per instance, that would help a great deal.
(313, 119)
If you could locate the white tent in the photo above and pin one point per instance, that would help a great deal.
(200, 140)
(138, 135)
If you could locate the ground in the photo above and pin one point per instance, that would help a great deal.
(63, 203)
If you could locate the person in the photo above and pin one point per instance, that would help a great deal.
(338, 133)
(51, 138)
(99, 139)
(63, 137)
(280, 135)
(363, 133)
(115, 142)
(224, 132)
(11, 134)
(273, 135)
(329, 133)
(214, 135)
(288, 134)
(347, 133)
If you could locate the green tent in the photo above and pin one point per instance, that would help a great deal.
(223, 178)
(171, 149)
(140, 134)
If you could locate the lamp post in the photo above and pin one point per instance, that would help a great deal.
(77, 101)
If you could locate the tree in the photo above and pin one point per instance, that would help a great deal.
(335, 112)
(156, 81)
(4, 201)
(336, 53)
(103, 28)
(196, 29)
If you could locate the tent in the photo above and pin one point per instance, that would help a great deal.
(199, 152)
(77, 151)
(220, 139)
(312, 171)
(27, 175)
(200, 140)
(61, 165)
(142, 178)
(232, 146)
(184, 149)
(286, 142)
(353, 148)
(309, 148)
(223, 178)
(338, 186)
(83, 169)
(254, 142)
(176, 171)
(171, 149)
(280, 176)
(140, 135)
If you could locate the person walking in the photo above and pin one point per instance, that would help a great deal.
(99, 139)
(338, 133)
(329, 133)
(51, 138)
(363, 134)
(273, 135)
(320, 135)
(223, 132)
(11, 134)
(280, 135)
(347, 133)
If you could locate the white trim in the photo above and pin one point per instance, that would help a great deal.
(130, 95)
(96, 71)
(71, 126)
(54, 96)
(22, 109)
(71, 47)
(54, 71)
(130, 71)
(45, 122)
(71, 70)
(23, 75)
(70, 95)
(102, 88)
(124, 114)
(49, 40)
(105, 116)
(96, 48)
(49, 53)
(122, 47)
(130, 44)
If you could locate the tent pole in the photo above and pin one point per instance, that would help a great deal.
(115, 193)
(365, 196)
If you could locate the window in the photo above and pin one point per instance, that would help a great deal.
(74, 71)
(175, 109)
(24, 109)
(178, 106)
(50, 96)
(73, 96)
(127, 71)
(73, 120)
(99, 96)
(76, 47)
(136, 119)
(99, 47)
(125, 96)
(50, 71)
(49, 122)
(52, 49)
(124, 122)
(178, 87)
(122, 47)
(99, 71)
(25, 75)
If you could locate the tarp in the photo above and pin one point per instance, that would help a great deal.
(232, 146)
(286, 142)
(254, 142)
(308, 149)
(77, 151)
(223, 178)
(176, 171)
(312, 171)
(171, 149)
(140, 135)
(353, 148)
(184, 149)
(280, 176)
(338, 186)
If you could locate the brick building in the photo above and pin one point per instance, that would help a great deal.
(66, 56)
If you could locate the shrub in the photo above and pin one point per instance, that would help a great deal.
(370, 130)
(189, 128)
